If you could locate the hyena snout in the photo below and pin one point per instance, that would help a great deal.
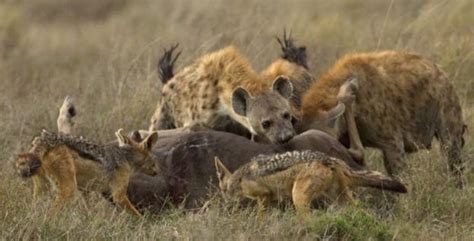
(285, 136)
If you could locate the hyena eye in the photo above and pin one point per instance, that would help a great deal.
(266, 124)
(286, 116)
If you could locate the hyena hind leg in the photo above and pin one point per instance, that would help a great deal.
(451, 146)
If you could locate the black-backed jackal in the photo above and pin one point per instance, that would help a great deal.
(73, 163)
(302, 175)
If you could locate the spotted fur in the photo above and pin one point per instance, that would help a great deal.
(221, 89)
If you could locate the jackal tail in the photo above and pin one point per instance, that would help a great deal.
(377, 180)
(31, 164)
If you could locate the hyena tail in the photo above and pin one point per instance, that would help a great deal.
(377, 180)
(166, 64)
(33, 164)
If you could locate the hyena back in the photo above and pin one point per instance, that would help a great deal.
(402, 102)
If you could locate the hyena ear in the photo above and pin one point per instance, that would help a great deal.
(149, 141)
(221, 171)
(240, 100)
(334, 114)
(122, 137)
(283, 86)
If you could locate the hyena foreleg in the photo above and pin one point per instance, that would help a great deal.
(393, 155)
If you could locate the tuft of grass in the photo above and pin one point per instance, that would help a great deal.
(349, 224)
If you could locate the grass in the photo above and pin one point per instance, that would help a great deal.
(104, 54)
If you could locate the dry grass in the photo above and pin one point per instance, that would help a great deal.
(104, 54)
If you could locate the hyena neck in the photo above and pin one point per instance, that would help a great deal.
(322, 94)
(230, 69)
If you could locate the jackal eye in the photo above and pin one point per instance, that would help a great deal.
(266, 124)
(286, 116)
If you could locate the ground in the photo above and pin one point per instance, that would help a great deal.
(104, 53)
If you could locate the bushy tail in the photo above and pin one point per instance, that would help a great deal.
(377, 180)
(166, 64)
(291, 52)
(31, 164)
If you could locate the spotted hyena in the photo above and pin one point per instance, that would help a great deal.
(221, 88)
(400, 102)
(263, 104)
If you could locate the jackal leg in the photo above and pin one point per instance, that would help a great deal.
(67, 185)
(345, 193)
(346, 197)
(310, 184)
(263, 203)
(60, 163)
(119, 185)
(39, 186)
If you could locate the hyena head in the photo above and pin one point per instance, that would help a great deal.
(229, 184)
(269, 114)
(27, 164)
(330, 121)
(139, 154)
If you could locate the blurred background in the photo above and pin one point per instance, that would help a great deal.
(104, 53)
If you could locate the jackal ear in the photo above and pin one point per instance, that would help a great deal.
(122, 138)
(240, 100)
(334, 114)
(221, 170)
(149, 141)
(283, 86)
